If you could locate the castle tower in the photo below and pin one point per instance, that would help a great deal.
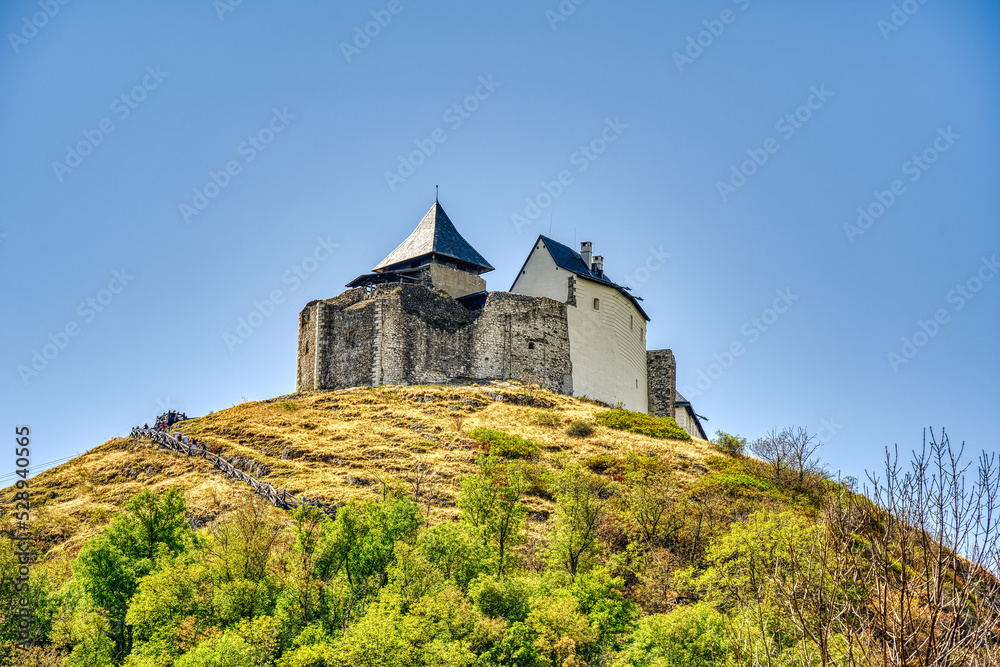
(434, 255)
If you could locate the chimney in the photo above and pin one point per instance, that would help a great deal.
(599, 266)
(586, 252)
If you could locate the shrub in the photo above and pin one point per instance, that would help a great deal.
(504, 444)
(729, 443)
(601, 462)
(638, 422)
(546, 418)
(496, 597)
(579, 429)
(693, 636)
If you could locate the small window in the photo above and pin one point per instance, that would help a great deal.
(350, 337)
(637, 383)
(531, 346)
(597, 304)
(631, 322)
(307, 347)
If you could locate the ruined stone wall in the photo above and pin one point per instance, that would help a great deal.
(520, 337)
(662, 373)
(305, 378)
(408, 334)
(335, 343)
(425, 336)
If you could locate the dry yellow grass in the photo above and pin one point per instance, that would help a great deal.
(335, 446)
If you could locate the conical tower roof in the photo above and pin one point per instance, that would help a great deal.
(435, 235)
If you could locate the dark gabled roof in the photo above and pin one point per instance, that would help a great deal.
(435, 235)
(570, 260)
(681, 402)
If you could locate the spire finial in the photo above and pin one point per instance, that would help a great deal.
(435, 194)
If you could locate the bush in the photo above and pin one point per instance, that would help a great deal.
(507, 598)
(729, 443)
(579, 429)
(693, 636)
(504, 444)
(638, 422)
(602, 462)
(547, 418)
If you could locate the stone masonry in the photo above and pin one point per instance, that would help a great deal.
(410, 334)
(661, 371)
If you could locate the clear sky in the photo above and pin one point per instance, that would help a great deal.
(168, 168)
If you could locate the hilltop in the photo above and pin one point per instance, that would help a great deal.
(338, 446)
(496, 524)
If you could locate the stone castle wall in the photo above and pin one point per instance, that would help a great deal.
(661, 370)
(408, 334)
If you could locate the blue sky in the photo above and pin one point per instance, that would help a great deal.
(181, 164)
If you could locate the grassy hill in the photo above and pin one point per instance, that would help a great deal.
(628, 544)
(339, 446)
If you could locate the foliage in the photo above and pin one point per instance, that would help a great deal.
(491, 504)
(498, 443)
(694, 636)
(360, 542)
(456, 550)
(729, 443)
(641, 565)
(580, 508)
(639, 422)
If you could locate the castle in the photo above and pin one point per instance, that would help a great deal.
(423, 315)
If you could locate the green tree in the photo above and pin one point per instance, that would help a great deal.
(729, 443)
(694, 636)
(241, 547)
(361, 540)
(581, 500)
(456, 550)
(599, 597)
(39, 607)
(251, 643)
(172, 608)
(491, 502)
(151, 520)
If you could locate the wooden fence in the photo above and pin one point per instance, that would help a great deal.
(280, 499)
